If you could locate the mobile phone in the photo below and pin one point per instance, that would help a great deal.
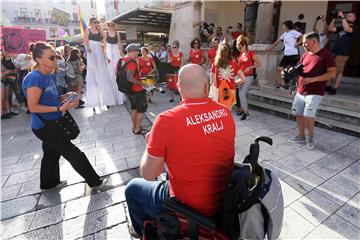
(72, 97)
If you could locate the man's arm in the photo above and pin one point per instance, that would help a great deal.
(332, 27)
(130, 77)
(150, 166)
(314, 29)
(330, 73)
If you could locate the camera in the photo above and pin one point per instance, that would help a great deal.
(318, 18)
(289, 74)
(335, 14)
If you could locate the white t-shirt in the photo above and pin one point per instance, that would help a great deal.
(290, 39)
(23, 62)
(323, 40)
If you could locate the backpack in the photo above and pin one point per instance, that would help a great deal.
(122, 82)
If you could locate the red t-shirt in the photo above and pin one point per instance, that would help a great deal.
(246, 60)
(145, 65)
(229, 74)
(133, 66)
(236, 34)
(199, 152)
(211, 55)
(196, 56)
(176, 60)
(315, 65)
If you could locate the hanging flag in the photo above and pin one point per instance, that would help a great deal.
(116, 7)
(83, 26)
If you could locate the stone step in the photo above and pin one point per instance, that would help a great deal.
(341, 101)
(284, 110)
(330, 112)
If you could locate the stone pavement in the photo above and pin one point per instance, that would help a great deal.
(321, 187)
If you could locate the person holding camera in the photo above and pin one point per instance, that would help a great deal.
(318, 67)
(47, 105)
(342, 48)
(323, 35)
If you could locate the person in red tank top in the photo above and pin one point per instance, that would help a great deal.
(248, 61)
(176, 61)
(196, 55)
(198, 173)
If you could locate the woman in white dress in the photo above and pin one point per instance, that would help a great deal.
(112, 44)
(99, 89)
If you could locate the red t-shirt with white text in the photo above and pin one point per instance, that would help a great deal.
(145, 65)
(176, 60)
(199, 151)
(196, 56)
(133, 66)
(229, 73)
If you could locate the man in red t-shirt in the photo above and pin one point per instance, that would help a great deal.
(137, 98)
(212, 51)
(196, 141)
(319, 67)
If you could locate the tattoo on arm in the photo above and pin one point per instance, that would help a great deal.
(130, 76)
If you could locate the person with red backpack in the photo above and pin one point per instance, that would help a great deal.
(248, 61)
(224, 76)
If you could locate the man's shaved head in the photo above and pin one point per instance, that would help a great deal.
(193, 82)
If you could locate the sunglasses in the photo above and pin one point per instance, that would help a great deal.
(196, 43)
(52, 58)
(173, 47)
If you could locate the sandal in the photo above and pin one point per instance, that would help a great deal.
(141, 131)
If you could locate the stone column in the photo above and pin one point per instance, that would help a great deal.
(131, 35)
(185, 23)
(264, 27)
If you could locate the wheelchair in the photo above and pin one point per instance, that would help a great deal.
(247, 186)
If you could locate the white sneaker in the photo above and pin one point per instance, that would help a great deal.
(310, 144)
(297, 139)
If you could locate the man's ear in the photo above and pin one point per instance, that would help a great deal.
(206, 89)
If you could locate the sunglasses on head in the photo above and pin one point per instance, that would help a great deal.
(196, 43)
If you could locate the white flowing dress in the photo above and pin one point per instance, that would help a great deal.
(113, 54)
(99, 89)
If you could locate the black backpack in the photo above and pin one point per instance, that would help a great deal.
(123, 84)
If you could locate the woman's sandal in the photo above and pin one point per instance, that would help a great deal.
(141, 131)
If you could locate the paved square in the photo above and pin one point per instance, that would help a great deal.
(321, 187)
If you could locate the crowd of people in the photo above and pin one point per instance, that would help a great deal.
(58, 76)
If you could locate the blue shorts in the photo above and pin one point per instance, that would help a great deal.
(306, 106)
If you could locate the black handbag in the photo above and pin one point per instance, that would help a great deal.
(62, 129)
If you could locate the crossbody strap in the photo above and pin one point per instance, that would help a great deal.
(37, 114)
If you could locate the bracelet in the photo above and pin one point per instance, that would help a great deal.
(58, 109)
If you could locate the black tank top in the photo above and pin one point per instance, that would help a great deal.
(95, 37)
(111, 40)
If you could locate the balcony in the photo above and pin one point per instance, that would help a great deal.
(42, 21)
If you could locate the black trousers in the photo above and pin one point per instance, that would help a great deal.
(53, 150)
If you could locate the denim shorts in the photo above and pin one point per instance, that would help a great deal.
(306, 106)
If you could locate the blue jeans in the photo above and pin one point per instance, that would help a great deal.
(145, 200)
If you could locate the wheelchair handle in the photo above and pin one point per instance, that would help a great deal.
(264, 139)
(255, 149)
